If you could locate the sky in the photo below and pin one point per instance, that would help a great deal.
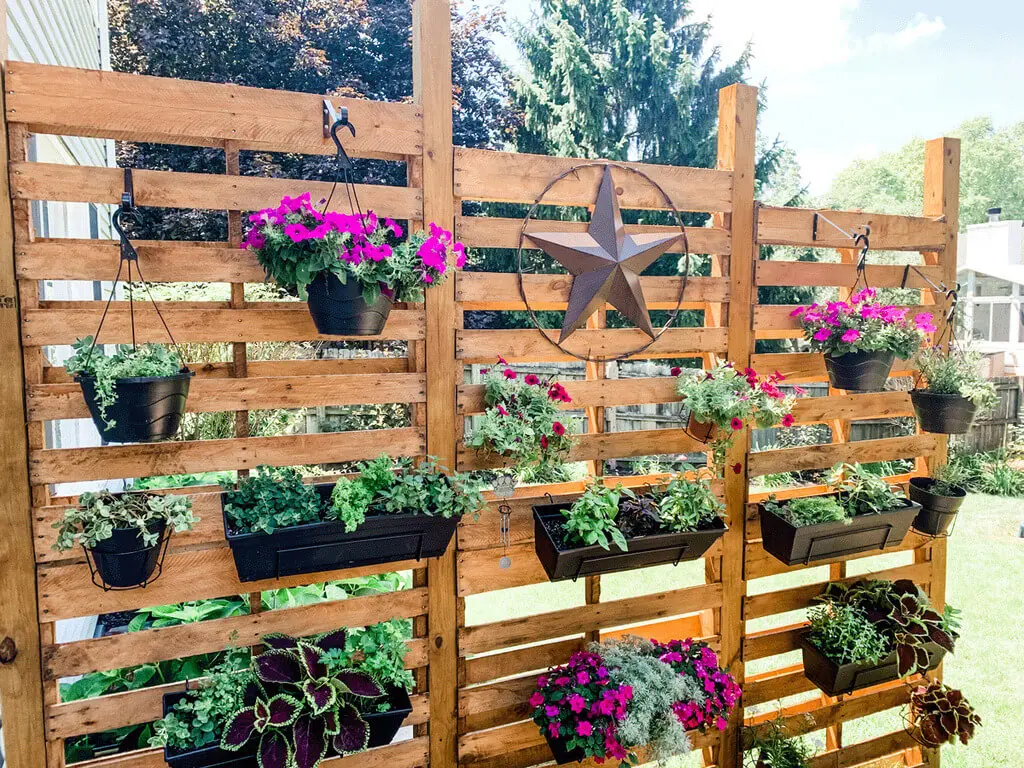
(847, 79)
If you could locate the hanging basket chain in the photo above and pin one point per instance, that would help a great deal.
(128, 255)
(343, 168)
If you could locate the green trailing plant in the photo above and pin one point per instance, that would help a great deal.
(387, 486)
(199, 719)
(272, 498)
(99, 514)
(730, 399)
(688, 505)
(522, 421)
(845, 635)
(901, 613)
(771, 748)
(592, 517)
(126, 362)
(812, 510)
(941, 715)
(378, 650)
(957, 373)
(862, 492)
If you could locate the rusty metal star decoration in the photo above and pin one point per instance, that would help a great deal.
(605, 262)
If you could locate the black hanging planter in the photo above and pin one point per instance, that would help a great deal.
(835, 679)
(147, 409)
(859, 371)
(338, 309)
(644, 551)
(562, 755)
(937, 512)
(326, 546)
(124, 561)
(942, 414)
(806, 544)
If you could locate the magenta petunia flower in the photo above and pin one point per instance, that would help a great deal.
(787, 420)
(532, 379)
(736, 423)
(509, 374)
(583, 728)
(851, 335)
(822, 334)
(558, 428)
(676, 370)
(537, 699)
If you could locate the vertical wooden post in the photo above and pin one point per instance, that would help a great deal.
(432, 85)
(21, 690)
(737, 129)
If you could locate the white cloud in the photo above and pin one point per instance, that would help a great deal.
(792, 37)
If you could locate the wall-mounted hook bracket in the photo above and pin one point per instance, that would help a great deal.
(128, 196)
(333, 119)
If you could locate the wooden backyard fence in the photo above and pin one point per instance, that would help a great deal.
(473, 677)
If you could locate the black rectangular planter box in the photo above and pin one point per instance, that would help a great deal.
(825, 541)
(326, 546)
(644, 551)
(835, 679)
(383, 727)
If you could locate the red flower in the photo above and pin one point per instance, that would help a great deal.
(787, 420)
(737, 467)
(558, 428)
(509, 373)
(543, 441)
(676, 371)
(531, 379)
(736, 423)
(502, 360)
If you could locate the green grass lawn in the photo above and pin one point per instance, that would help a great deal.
(985, 580)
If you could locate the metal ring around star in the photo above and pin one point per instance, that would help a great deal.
(519, 262)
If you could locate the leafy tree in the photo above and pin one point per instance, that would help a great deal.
(992, 175)
(357, 48)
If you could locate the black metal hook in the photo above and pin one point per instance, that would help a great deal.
(128, 196)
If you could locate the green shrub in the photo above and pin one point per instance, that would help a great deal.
(958, 373)
(864, 493)
(845, 635)
(592, 517)
(809, 511)
(688, 505)
(769, 744)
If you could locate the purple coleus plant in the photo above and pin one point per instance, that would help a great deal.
(299, 707)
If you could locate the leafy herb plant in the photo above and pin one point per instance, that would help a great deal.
(272, 498)
(771, 748)
(688, 505)
(99, 514)
(812, 510)
(957, 373)
(845, 635)
(147, 360)
(863, 492)
(592, 517)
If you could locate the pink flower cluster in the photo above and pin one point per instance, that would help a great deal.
(695, 659)
(578, 701)
(434, 252)
(847, 322)
(509, 404)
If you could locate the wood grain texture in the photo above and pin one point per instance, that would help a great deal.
(53, 465)
(215, 192)
(120, 106)
(492, 232)
(809, 273)
(793, 226)
(822, 456)
(499, 291)
(482, 174)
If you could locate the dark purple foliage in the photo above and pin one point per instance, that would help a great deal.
(275, 750)
(360, 684)
(276, 666)
(353, 731)
(239, 729)
(310, 741)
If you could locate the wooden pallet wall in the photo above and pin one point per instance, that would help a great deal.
(472, 678)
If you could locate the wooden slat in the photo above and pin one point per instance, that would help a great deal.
(760, 564)
(808, 717)
(858, 754)
(57, 465)
(120, 106)
(809, 273)
(530, 346)
(536, 657)
(875, 405)
(271, 368)
(822, 456)
(793, 226)
(214, 635)
(170, 189)
(160, 261)
(499, 291)
(504, 634)
(65, 401)
(290, 322)
(487, 232)
(606, 445)
(67, 591)
(482, 174)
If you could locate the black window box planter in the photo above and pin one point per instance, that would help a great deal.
(835, 679)
(326, 546)
(824, 541)
(383, 728)
(562, 755)
(644, 551)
